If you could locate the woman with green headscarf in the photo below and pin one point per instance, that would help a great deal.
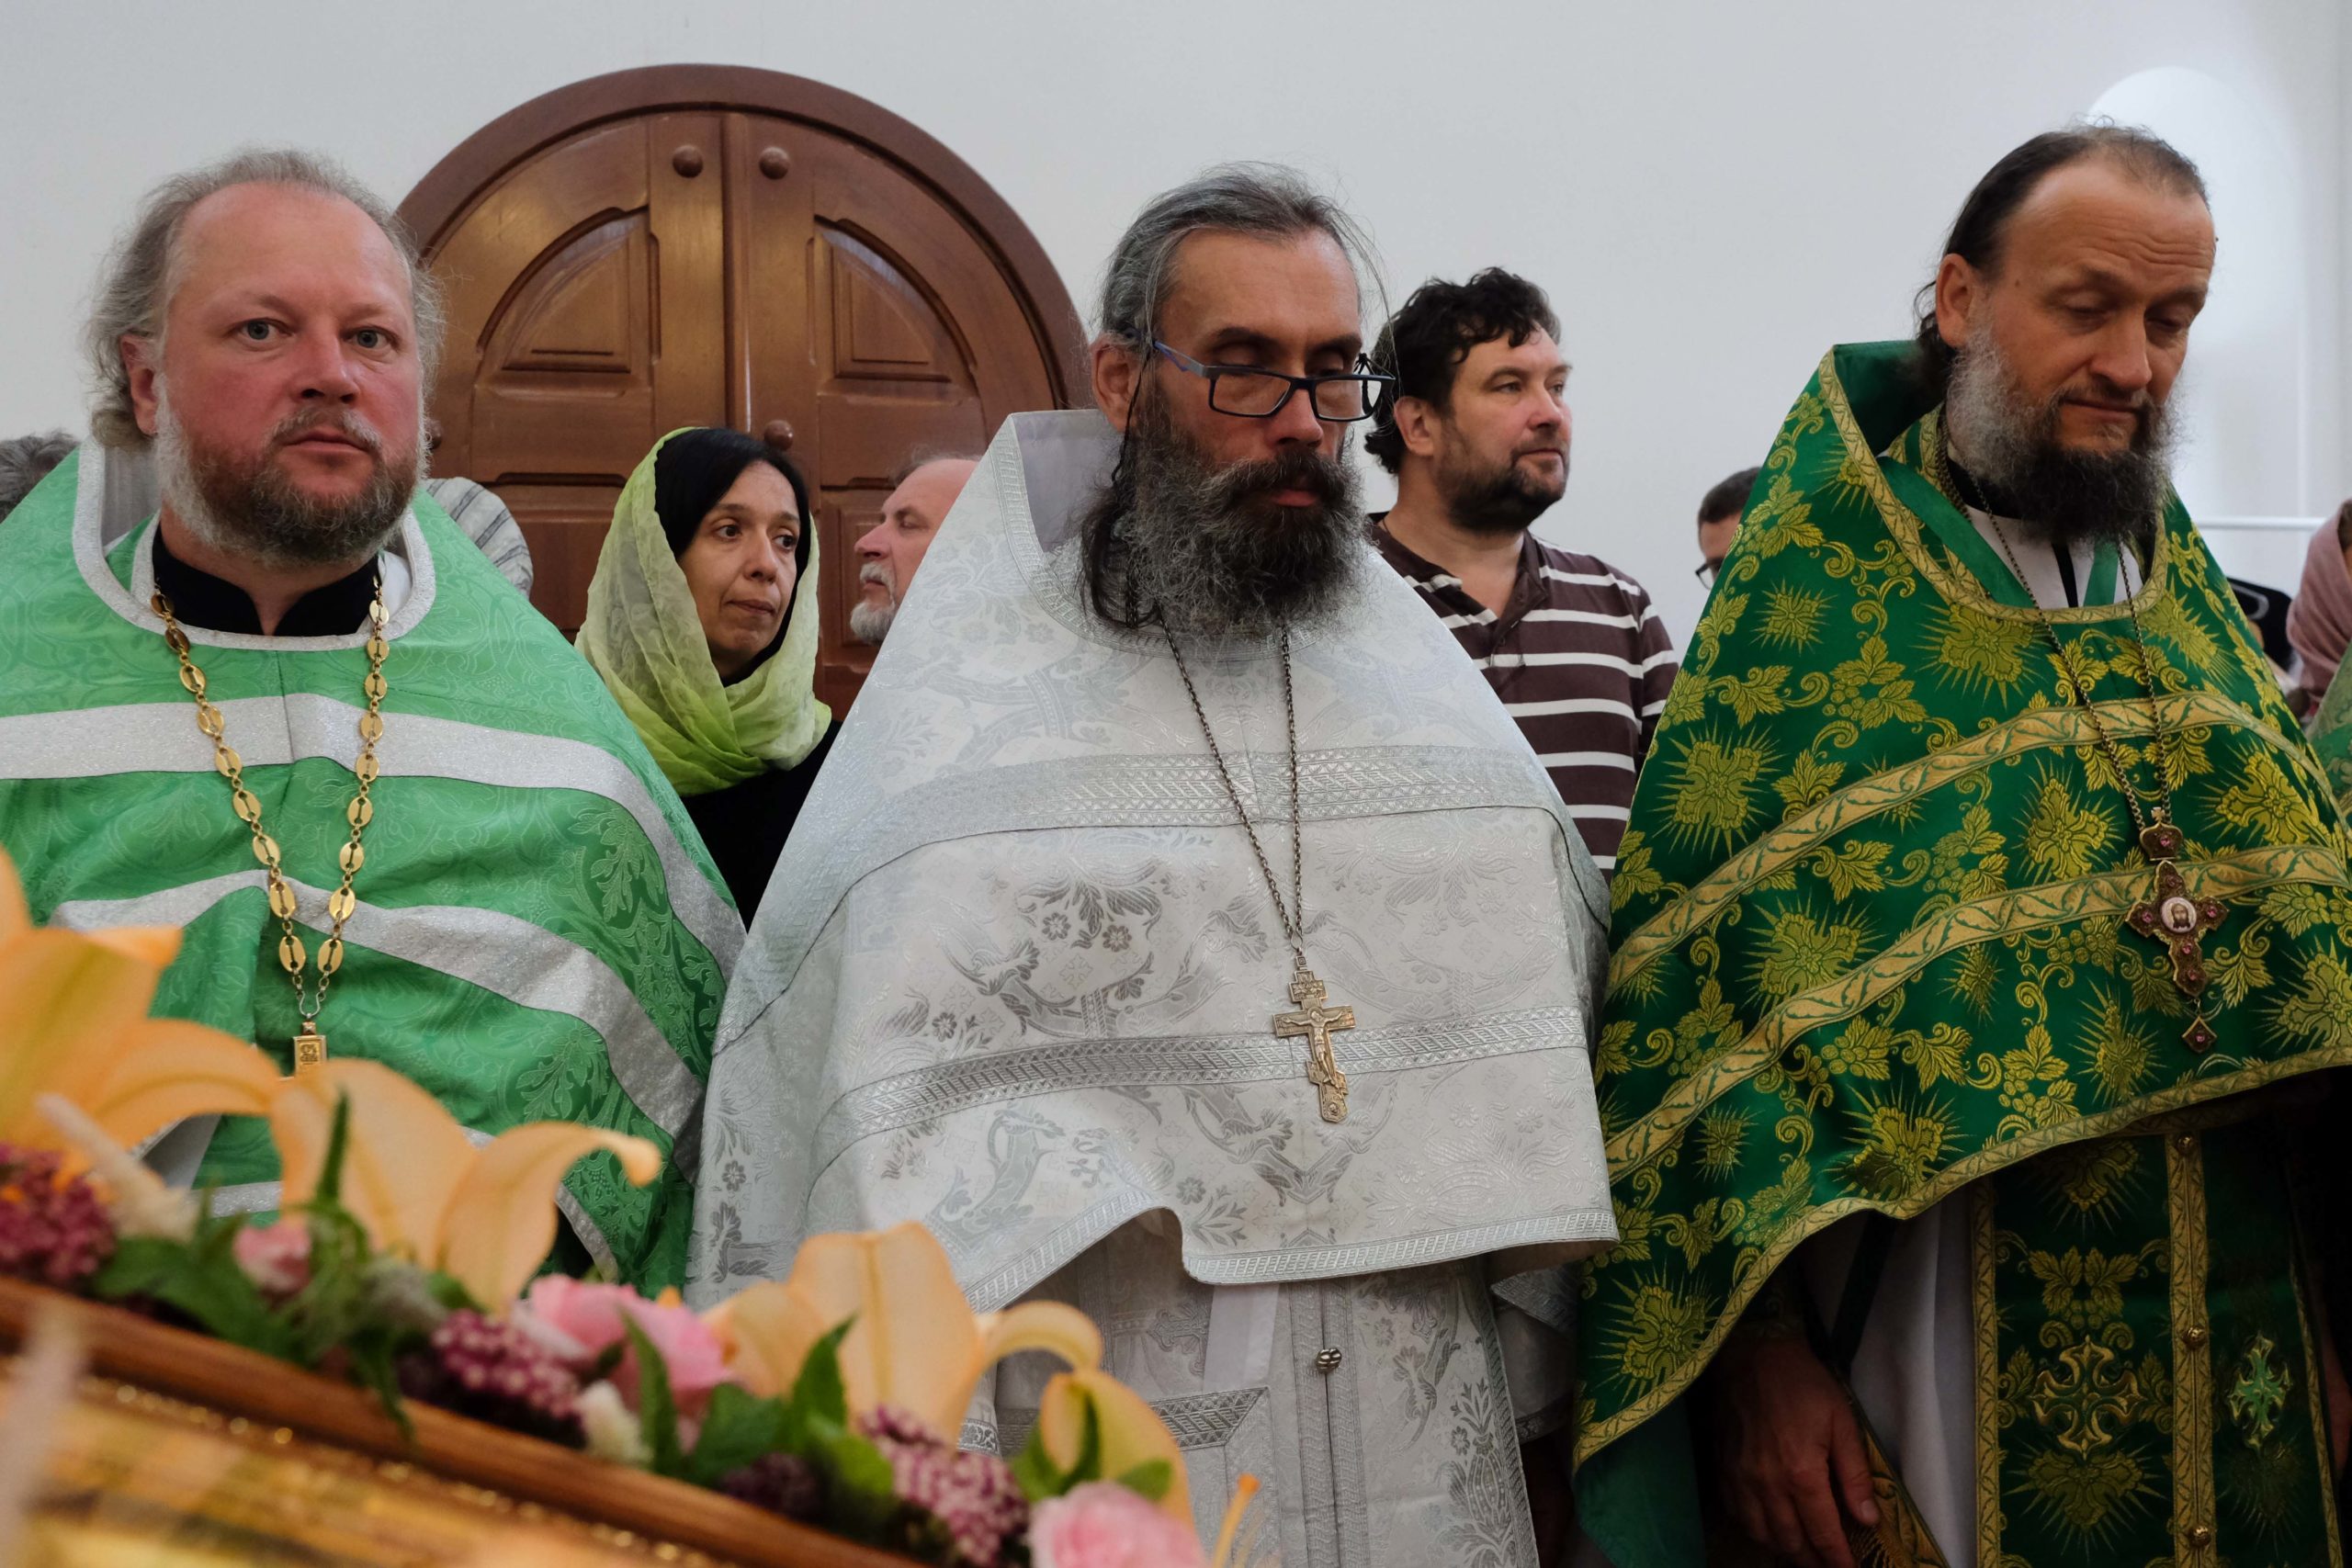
(701, 618)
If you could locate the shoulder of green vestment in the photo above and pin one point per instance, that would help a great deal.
(1868, 937)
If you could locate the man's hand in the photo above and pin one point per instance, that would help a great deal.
(1788, 1451)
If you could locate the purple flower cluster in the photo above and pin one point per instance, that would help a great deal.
(972, 1496)
(52, 1231)
(782, 1484)
(495, 1373)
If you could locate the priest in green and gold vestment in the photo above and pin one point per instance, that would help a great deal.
(1982, 913)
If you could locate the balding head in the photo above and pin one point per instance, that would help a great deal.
(891, 550)
(149, 265)
(271, 334)
(2064, 306)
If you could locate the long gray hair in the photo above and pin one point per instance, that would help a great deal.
(1270, 201)
(135, 289)
(1267, 201)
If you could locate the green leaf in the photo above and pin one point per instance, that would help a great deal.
(445, 1288)
(738, 1428)
(818, 1392)
(1039, 1477)
(374, 1356)
(330, 1188)
(333, 1305)
(1090, 1447)
(202, 1281)
(861, 1494)
(657, 1411)
(1035, 1471)
(1151, 1479)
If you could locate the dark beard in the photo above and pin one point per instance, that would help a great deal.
(1207, 551)
(246, 505)
(1497, 500)
(2028, 472)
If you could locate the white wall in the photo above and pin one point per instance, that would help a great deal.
(1713, 192)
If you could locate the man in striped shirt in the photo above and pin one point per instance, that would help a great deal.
(1476, 433)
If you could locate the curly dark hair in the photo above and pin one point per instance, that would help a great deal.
(1978, 232)
(1423, 345)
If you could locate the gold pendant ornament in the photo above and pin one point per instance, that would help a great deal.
(1317, 1023)
(310, 1046)
(2178, 921)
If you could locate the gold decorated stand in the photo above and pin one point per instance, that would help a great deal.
(183, 1451)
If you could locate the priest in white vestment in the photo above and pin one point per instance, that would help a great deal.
(1181, 929)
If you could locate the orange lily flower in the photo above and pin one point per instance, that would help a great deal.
(915, 1344)
(74, 1024)
(418, 1184)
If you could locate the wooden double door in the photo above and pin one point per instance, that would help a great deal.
(709, 245)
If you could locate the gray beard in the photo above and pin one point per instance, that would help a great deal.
(2013, 451)
(247, 508)
(1218, 562)
(871, 623)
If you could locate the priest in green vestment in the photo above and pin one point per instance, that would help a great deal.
(293, 709)
(1982, 910)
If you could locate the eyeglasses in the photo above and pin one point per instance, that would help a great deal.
(1706, 571)
(1246, 392)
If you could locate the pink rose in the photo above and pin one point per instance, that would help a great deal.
(589, 1317)
(277, 1258)
(1103, 1525)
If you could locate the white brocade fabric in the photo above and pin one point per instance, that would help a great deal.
(1016, 972)
(1402, 1453)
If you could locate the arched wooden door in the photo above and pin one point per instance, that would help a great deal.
(716, 245)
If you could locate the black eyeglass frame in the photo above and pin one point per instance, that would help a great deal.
(1371, 381)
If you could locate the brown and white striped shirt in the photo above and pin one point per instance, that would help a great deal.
(1580, 658)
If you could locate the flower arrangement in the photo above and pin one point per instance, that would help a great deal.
(831, 1397)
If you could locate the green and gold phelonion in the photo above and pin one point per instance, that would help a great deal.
(1874, 941)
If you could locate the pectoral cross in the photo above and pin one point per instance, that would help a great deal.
(2178, 921)
(309, 1049)
(1316, 1022)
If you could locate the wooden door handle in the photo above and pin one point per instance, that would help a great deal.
(777, 432)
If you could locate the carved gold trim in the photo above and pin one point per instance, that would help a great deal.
(2194, 1529)
(316, 1460)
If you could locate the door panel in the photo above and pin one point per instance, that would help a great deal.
(568, 364)
(771, 255)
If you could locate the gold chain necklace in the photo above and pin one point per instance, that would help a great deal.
(310, 1045)
(2170, 916)
(1310, 1019)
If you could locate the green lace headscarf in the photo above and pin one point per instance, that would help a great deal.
(643, 636)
